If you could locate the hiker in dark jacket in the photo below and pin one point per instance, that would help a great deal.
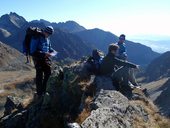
(117, 69)
(110, 61)
(40, 49)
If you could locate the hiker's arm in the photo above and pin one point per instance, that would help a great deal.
(50, 48)
(124, 63)
(52, 52)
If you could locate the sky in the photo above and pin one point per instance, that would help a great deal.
(134, 18)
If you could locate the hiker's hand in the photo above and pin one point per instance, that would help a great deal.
(138, 67)
(47, 54)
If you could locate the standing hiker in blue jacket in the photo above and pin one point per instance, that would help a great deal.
(41, 51)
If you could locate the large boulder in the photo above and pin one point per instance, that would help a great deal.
(111, 109)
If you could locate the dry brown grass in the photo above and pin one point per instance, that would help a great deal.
(27, 101)
(139, 92)
(155, 119)
(4, 94)
(86, 111)
(13, 84)
(90, 89)
(155, 84)
(83, 115)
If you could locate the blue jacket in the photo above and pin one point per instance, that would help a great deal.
(40, 46)
(122, 53)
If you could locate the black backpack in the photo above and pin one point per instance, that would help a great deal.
(31, 32)
(95, 61)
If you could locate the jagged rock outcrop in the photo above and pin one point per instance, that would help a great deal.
(11, 104)
(56, 108)
(111, 109)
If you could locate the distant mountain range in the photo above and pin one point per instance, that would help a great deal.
(159, 43)
(158, 74)
(159, 67)
(70, 39)
(159, 46)
(67, 44)
(100, 39)
(69, 26)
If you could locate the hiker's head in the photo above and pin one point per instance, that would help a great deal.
(113, 48)
(48, 31)
(122, 38)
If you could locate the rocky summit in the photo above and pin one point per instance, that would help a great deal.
(77, 99)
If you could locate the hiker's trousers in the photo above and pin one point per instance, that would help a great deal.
(122, 76)
(43, 72)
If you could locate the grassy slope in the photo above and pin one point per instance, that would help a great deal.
(15, 83)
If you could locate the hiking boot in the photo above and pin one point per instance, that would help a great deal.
(136, 86)
(131, 85)
(73, 125)
(145, 91)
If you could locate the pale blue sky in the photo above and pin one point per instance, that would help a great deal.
(132, 17)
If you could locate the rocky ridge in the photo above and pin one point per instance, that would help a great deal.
(65, 101)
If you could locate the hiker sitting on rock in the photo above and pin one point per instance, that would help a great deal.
(117, 69)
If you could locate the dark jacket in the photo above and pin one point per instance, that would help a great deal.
(110, 62)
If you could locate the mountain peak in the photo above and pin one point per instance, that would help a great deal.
(13, 14)
(71, 22)
(12, 19)
(70, 26)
